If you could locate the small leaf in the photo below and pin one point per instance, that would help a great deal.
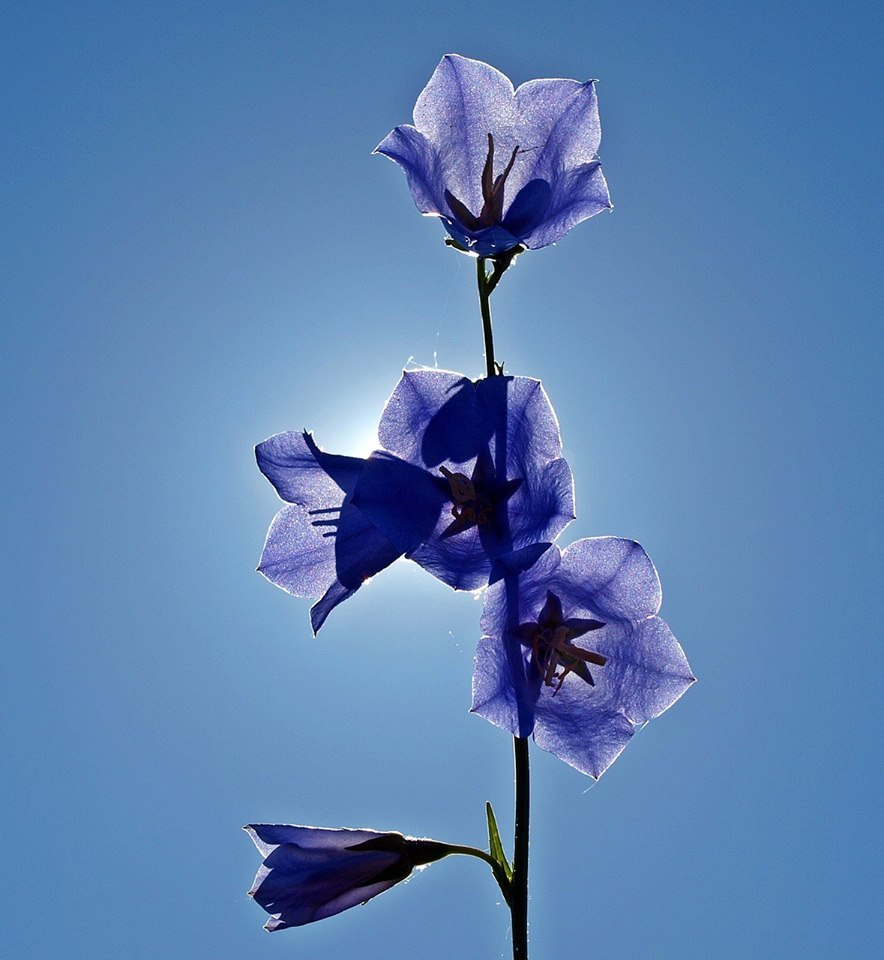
(495, 847)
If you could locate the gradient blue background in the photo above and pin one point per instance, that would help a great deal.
(199, 251)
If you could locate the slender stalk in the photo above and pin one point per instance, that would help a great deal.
(485, 289)
(518, 886)
(519, 904)
(496, 868)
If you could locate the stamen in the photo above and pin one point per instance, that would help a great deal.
(554, 654)
(488, 181)
(492, 193)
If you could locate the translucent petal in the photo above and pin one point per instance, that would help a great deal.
(463, 102)
(420, 162)
(558, 126)
(575, 196)
(611, 577)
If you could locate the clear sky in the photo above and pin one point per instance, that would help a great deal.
(198, 251)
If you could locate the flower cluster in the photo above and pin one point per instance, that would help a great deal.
(469, 482)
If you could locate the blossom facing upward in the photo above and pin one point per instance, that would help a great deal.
(469, 472)
(310, 873)
(501, 167)
(573, 651)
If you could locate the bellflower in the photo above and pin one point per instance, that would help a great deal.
(320, 545)
(310, 873)
(573, 651)
(502, 168)
(469, 472)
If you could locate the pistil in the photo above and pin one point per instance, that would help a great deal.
(492, 193)
(554, 655)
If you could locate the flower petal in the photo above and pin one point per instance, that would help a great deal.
(268, 836)
(461, 561)
(558, 126)
(646, 671)
(433, 417)
(520, 415)
(304, 474)
(611, 577)
(463, 102)
(542, 507)
(322, 546)
(399, 499)
(576, 196)
(579, 728)
(297, 885)
(502, 693)
(528, 209)
(420, 162)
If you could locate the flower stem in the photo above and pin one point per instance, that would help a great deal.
(496, 868)
(519, 889)
(485, 289)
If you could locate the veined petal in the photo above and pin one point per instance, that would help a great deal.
(543, 506)
(322, 546)
(519, 585)
(576, 196)
(297, 556)
(646, 671)
(415, 154)
(611, 577)
(302, 473)
(525, 426)
(463, 102)
(579, 728)
(461, 561)
(433, 417)
(558, 126)
(528, 209)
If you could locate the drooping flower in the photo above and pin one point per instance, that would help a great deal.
(573, 651)
(469, 472)
(501, 167)
(310, 873)
(321, 545)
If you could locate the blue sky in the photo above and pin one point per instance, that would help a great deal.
(198, 251)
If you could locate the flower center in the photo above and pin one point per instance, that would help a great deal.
(492, 194)
(553, 654)
(469, 506)
(476, 500)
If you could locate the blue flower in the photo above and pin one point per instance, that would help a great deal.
(470, 471)
(501, 168)
(573, 652)
(321, 545)
(310, 873)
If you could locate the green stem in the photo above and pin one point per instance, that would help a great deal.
(496, 868)
(485, 288)
(519, 904)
